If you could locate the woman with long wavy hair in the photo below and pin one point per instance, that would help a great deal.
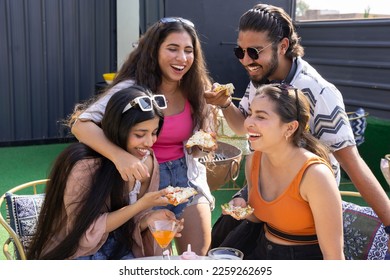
(168, 60)
(89, 211)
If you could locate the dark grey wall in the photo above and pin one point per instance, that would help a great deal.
(52, 54)
(150, 12)
(355, 56)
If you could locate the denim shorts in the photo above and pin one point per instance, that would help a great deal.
(267, 250)
(174, 173)
(105, 251)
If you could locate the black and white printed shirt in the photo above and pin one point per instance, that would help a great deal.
(329, 122)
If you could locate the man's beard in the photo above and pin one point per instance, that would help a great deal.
(274, 64)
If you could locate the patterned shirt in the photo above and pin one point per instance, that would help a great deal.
(329, 122)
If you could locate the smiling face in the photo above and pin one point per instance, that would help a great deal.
(142, 136)
(176, 55)
(264, 125)
(266, 65)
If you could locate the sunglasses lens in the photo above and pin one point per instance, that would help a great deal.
(167, 20)
(239, 52)
(145, 103)
(182, 20)
(253, 53)
(186, 21)
(160, 101)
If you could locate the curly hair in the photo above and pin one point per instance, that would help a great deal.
(142, 65)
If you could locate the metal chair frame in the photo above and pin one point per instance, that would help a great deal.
(13, 237)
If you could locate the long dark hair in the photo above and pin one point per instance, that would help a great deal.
(275, 21)
(106, 183)
(292, 104)
(142, 66)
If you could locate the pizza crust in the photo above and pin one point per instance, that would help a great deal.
(229, 88)
(177, 195)
(201, 139)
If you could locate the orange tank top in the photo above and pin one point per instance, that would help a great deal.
(289, 213)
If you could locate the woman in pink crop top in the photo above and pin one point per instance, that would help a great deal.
(169, 61)
(291, 184)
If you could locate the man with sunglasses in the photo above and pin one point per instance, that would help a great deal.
(269, 49)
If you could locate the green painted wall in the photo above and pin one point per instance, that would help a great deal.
(376, 146)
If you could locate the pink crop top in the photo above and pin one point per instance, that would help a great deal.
(176, 129)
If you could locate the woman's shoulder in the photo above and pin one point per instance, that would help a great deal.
(122, 85)
(317, 170)
(85, 167)
(115, 88)
(310, 160)
(80, 177)
(150, 161)
(318, 179)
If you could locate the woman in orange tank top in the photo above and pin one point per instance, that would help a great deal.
(291, 184)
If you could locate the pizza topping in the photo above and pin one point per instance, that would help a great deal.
(177, 195)
(237, 212)
(202, 139)
(229, 88)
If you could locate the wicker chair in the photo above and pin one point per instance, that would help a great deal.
(25, 196)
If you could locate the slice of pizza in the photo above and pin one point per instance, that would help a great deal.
(229, 88)
(237, 212)
(177, 195)
(202, 139)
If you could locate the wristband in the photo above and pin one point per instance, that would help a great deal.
(387, 229)
(225, 107)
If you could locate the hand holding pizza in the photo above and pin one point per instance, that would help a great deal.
(227, 88)
(237, 212)
(178, 195)
(220, 95)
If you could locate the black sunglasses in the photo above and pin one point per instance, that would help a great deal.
(286, 88)
(252, 52)
(177, 19)
(146, 103)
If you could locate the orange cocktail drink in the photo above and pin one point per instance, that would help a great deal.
(163, 237)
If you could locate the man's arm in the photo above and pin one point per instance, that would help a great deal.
(365, 182)
(233, 115)
(235, 119)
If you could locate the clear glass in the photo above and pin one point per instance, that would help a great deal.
(163, 232)
(225, 253)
